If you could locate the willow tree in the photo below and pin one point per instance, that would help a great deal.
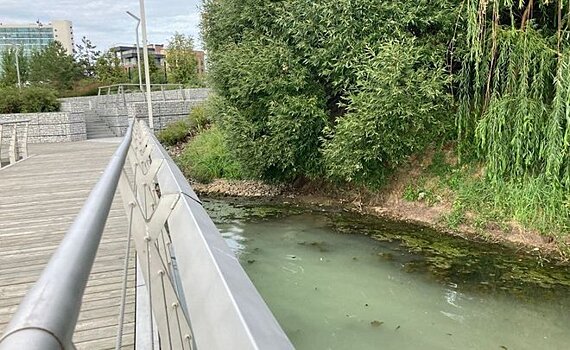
(514, 100)
(515, 97)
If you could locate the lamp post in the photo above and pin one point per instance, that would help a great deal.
(146, 66)
(138, 49)
(17, 53)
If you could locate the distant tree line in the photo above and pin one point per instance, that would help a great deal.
(54, 68)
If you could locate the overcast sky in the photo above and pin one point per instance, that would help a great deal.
(105, 22)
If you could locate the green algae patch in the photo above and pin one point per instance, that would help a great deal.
(472, 265)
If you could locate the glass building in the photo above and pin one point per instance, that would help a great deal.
(34, 37)
(28, 39)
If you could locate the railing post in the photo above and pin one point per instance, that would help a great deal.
(1, 134)
(25, 141)
(13, 151)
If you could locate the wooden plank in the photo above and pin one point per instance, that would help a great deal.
(39, 198)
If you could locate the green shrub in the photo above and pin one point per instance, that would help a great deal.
(174, 133)
(28, 100)
(197, 122)
(10, 100)
(400, 105)
(270, 110)
(207, 157)
(286, 70)
(39, 99)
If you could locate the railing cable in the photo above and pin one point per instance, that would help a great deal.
(120, 328)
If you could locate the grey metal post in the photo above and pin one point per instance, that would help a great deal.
(46, 318)
(146, 66)
(138, 49)
(18, 67)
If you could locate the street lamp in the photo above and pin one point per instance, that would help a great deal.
(16, 54)
(146, 66)
(138, 49)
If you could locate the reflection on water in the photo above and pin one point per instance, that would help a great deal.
(406, 289)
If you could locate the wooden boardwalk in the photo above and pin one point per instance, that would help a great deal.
(39, 198)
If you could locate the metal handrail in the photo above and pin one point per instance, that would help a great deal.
(47, 316)
(200, 296)
(177, 243)
(120, 88)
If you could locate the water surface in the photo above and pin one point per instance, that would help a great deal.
(342, 281)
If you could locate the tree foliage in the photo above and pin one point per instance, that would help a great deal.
(181, 60)
(273, 113)
(108, 69)
(9, 75)
(514, 97)
(345, 88)
(54, 67)
(86, 55)
(397, 107)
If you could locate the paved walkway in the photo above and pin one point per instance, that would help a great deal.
(39, 198)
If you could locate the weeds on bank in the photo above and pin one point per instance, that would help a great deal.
(177, 132)
(207, 157)
(529, 202)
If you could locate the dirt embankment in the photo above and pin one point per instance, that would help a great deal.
(387, 203)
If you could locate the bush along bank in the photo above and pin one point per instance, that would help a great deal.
(352, 93)
(431, 189)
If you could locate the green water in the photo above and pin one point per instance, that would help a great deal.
(343, 281)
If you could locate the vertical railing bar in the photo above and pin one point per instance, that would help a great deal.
(13, 150)
(179, 327)
(119, 340)
(161, 273)
(25, 141)
(1, 132)
(149, 283)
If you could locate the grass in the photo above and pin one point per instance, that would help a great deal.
(177, 132)
(174, 133)
(207, 157)
(533, 203)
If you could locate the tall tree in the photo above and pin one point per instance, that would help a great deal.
(181, 60)
(53, 66)
(9, 76)
(108, 69)
(86, 55)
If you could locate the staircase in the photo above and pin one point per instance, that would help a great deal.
(97, 129)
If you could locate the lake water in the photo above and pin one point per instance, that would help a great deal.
(342, 281)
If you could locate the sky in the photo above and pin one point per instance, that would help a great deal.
(105, 22)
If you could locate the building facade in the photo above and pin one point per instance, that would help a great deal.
(127, 55)
(33, 37)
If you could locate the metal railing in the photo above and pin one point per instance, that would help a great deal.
(18, 141)
(119, 89)
(198, 294)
